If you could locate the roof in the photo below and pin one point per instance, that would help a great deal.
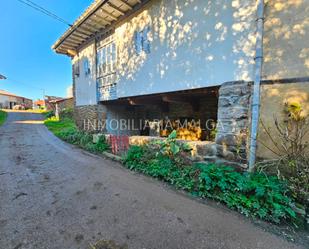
(97, 18)
(52, 98)
(3, 92)
(59, 100)
(6, 93)
(39, 102)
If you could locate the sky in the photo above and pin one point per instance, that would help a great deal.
(26, 57)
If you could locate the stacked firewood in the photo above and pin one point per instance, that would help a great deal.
(190, 131)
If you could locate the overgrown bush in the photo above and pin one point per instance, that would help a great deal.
(290, 146)
(66, 113)
(49, 114)
(251, 194)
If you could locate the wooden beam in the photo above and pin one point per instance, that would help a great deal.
(80, 23)
(125, 4)
(108, 14)
(194, 102)
(75, 35)
(84, 31)
(144, 101)
(120, 12)
(66, 47)
(89, 27)
(174, 99)
(101, 18)
(97, 23)
(72, 39)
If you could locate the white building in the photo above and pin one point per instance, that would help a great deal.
(154, 59)
(9, 100)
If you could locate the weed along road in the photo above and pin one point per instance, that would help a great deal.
(55, 196)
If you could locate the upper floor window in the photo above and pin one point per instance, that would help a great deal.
(141, 40)
(106, 59)
(86, 67)
(76, 69)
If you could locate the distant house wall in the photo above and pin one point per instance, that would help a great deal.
(85, 83)
(4, 101)
(28, 103)
(286, 39)
(192, 44)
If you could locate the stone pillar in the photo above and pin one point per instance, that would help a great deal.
(233, 121)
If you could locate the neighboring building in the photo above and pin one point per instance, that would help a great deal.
(9, 100)
(49, 102)
(153, 59)
(60, 105)
(39, 104)
(70, 92)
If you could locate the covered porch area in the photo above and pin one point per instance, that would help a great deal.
(192, 113)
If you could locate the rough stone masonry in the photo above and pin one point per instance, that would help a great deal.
(233, 121)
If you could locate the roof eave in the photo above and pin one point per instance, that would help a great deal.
(95, 20)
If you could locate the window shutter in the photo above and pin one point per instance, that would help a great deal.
(138, 42)
(86, 67)
(146, 42)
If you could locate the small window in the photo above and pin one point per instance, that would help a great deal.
(76, 69)
(141, 41)
(86, 67)
(138, 42)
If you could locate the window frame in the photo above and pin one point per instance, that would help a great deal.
(141, 41)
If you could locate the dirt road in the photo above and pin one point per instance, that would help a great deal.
(55, 196)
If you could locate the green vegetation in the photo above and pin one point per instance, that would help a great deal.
(3, 116)
(67, 113)
(48, 114)
(66, 130)
(60, 127)
(289, 143)
(252, 194)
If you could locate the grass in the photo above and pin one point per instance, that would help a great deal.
(3, 116)
(57, 126)
(66, 130)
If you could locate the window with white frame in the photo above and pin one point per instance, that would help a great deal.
(86, 67)
(106, 69)
(142, 41)
(106, 59)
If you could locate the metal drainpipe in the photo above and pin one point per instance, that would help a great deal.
(255, 110)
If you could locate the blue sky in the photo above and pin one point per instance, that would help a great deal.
(26, 37)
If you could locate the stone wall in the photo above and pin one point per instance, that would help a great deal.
(90, 117)
(233, 121)
(66, 104)
(200, 149)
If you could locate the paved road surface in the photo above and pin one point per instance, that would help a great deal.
(56, 196)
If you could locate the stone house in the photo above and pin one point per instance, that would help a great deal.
(59, 105)
(190, 59)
